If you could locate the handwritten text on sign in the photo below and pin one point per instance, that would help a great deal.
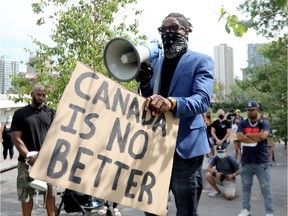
(103, 143)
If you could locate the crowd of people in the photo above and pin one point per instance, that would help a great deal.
(253, 154)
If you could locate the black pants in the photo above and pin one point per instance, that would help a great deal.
(6, 148)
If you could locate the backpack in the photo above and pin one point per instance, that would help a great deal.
(73, 201)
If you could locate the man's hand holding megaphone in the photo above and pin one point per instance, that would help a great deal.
(31, 158)
(145, 74)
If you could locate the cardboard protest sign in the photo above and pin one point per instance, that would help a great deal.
(103, 143)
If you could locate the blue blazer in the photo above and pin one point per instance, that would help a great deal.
(191, 86)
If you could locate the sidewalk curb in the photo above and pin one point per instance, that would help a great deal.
(5, 169)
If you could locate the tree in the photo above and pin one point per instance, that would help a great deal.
(81, 31)
(236, 95)
(266, 17)
(267, 84)
(218, 92)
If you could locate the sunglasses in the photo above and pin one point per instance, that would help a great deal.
(171, 28)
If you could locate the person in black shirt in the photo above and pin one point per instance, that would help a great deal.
(231, 115)
(7, 140)
(221, 129)
(29, 128)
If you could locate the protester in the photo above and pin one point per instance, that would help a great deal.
(230, 118)
(221, 129)
(29, 128)
(209, 121)
(231, 115)
(223, 170)
(185, 89)
(270, 141)
(237, 145)
(7, 139)
(253, 133)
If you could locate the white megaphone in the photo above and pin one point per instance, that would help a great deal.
(123, 60)
(36, 184)
(39, 185)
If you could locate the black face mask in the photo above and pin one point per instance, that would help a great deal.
(175, 44)
(221, 117)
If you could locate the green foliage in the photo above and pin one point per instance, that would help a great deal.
(239, 28)
(81, 31)
(266, 17)
(218, 92)
(237, 94)
(268, 84)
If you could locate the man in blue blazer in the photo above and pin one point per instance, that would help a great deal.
(181, 81)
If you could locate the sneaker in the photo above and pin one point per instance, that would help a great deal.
(117, 212)
(244, 212)
(269, 214)
(102, 211)
(215, 194)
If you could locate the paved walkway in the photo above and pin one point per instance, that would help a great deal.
(208, 206)
(8, 164)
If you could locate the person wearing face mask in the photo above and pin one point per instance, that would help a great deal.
(221, 129)
(237, 145)
(181, 82)
(209, 120)
(222, 171)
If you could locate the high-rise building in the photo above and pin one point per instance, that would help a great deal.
(224, 66)
(255, 58)
(8, 67)
(32, 70)
(29, 68)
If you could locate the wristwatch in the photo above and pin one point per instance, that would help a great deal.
(173, 102)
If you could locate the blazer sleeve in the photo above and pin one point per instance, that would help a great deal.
(197, 101)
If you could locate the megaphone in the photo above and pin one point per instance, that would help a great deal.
(123, 60)
(38, 185)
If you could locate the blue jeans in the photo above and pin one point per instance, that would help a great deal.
(262, 171)
(186, 185)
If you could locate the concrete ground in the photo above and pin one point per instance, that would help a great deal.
(208, 206)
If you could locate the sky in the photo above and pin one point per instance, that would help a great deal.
(17, 23)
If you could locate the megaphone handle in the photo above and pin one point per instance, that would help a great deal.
(157, 76)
